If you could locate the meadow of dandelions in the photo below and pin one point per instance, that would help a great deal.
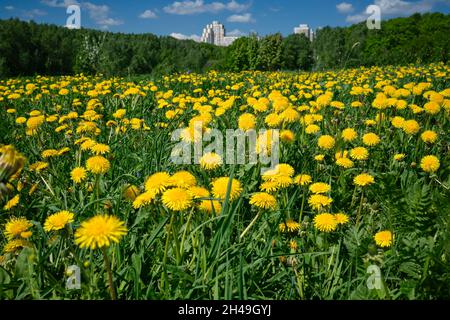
(363, 180)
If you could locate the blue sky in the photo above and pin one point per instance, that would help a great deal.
(186, 18)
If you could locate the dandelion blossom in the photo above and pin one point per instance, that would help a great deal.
(211, 161)
(341, 218)
(263, 200)
(326, 142)
(319, 187)
(58, 220)
(98, 165)
(220, 186)
(371, 139)
(383, 239)
(363, 179)
(319, 201)
(325, 222)
(100, 231)
(430, 164)
(177, 199)
(17, 227)
(158, 182)
(78, 174)
(289, 226)
(359, 153)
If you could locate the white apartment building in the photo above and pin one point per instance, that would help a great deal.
(304, 29)
(214, 33)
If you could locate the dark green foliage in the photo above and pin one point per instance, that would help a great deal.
(27, 48)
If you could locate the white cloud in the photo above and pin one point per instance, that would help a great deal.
(148, 14)
(390, 8)
(241, 18)
(199, 6)
(100, 15)
(9, 8)
(59, 4)
(345, 7)
(236, 33)
(357, 18)
(34, 13)
(181, 36)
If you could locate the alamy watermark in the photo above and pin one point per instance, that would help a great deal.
(74, 19)
(237, 147)
(373, 22)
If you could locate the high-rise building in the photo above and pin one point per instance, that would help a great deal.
(304, 29)
(214, 33)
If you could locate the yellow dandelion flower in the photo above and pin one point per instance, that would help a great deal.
(211, 161)
(15, 227)
(38, 166)
(130, 192)
(429, 136)
(144, 199)
(384, 239)
(13, 202)
(289, 226)
(312, 129)
(269, 186)
(58, 221)
(359, 153)
(100, 148)
(210, 206)
(319, 201)
(263, 200)
(411, 127)
(371, 139)
(183, 179)
(399, 156)
(177, 199)
(349, 134)
(198, 192)
(220, 186)
(247, 121)
(15, 245)
(345, 163)
(78, 174)
(303, 179)
(319, 187)
(100, 231)
(98, 165)
(326, 142)
(325, 222)
(430, 164)
(341, 218)
(158, 182)
(49, 153)
(363, 179)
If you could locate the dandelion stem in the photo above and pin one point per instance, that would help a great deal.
(358, 215)
(112, 289)
(250, 225)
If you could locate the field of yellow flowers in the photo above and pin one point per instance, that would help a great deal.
(92, 207)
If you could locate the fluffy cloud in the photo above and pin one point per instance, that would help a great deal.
(181, 36)
(241, 18)
(100, 15)
(199, 6)
(9, 8)
(391, 8)
(148, 14)
(236, 33)
(344, 7)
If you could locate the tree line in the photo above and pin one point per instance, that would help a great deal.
(27, 48)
